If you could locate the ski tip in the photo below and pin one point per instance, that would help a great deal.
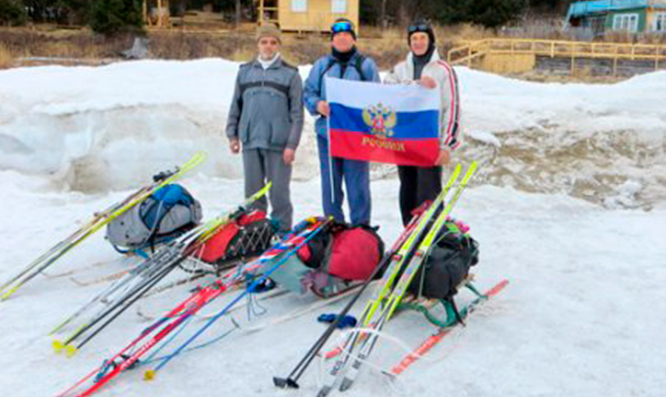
(70, 351)
(497, 288)
(149, 375)
(285, 383)
(333, 353)
(324, 391)
(7, 294)
(346, 384)
(391, 374)
(57, 346)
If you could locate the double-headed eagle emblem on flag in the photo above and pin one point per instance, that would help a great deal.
(381, 119)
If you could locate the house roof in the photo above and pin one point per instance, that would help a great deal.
(582, 8)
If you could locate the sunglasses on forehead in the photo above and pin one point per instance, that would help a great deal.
(418, 28)
(342, 26)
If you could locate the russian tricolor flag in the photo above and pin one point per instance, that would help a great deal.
(397, 124)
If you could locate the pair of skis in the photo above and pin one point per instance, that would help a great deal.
(393, 287)
(408, 234)
(434, 339)
(122, 294)
(164, 329)
(403, 249)
(99, 220)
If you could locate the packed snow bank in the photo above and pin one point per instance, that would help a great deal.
(603, 143)
(88, 127)
(83, 127)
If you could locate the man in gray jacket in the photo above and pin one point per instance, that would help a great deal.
(266, 120)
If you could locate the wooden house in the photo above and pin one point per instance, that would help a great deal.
(633, 16)
(307, 15)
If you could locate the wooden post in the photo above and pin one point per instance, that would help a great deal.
(261, 12)
(160, 14)
(552, 49)
(146, 20)
(657, 54)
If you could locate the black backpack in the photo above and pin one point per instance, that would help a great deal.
(447, 264)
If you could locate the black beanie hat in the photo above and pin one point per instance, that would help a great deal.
(421, 25)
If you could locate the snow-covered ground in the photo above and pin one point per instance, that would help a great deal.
(584, 314)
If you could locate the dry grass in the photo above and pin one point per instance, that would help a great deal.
(458, 34)
(375, 32)
(24, 42)
(243, 55)
(386, 46)
(190, 46)
(213, 38)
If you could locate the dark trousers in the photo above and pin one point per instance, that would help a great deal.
(417, 184)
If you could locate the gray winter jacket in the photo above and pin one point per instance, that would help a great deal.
(266, 110)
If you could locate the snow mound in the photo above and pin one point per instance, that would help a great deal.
(111, 127)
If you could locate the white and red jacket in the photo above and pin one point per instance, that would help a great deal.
(447, 83)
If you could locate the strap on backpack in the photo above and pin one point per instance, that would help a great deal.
(358, 65)
(163, 208)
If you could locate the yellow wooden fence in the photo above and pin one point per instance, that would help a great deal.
(472, 52)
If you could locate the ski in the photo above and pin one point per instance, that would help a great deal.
(99, 220)
(161, 329)
(81, 271)
(114, 296)
(407, 249)
(98, 280)
(116, 299)
(292, 379)
(400, 289)
(397, 261)
(432, 340)
(268, 263)
(345, 374)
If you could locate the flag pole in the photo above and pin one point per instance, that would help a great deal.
(330, 156)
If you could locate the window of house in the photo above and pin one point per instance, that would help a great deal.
(659, 24)
(299, 5)
(628, 22)
(339, 6)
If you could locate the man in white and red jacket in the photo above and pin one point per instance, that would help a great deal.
(423, 66)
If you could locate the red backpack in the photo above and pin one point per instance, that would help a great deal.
(349, 253)
(248, 235)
